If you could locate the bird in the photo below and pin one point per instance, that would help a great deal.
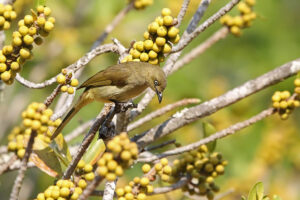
(118, 84)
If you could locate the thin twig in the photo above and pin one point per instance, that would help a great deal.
(33, 85)
(86, 142)
(52, 96)
(79, 130)
(14, 195)
(220, 134)
(161, 112)
(110, 27)
(192, 114)
(160, 145)
(188, 38)
(194, 53)
(109, 190)
(161, 190)
(197, 16)
(182, 12)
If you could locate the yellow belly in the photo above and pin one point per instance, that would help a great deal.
(120, 94)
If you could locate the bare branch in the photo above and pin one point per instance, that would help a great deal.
(7, 164)
(33, 85)
(161, 111)
(109, 190)
(79, 130)
(175, 186)
(52, 96)
(110, 27)
(188, 38)
(197, 16)
(14, 195)
(192, 114)
(160, 145)
(194, 53)
(64, 108)
(220, 134)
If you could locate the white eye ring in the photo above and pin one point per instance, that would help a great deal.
(156, 83)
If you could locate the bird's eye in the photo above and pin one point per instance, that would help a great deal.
(156, 83)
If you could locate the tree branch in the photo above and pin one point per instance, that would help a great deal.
(161, 190)
(182, 12)
(188, 38)
(160, 112)
(192, 114)
(220, 134)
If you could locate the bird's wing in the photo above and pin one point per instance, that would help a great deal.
(115, 75)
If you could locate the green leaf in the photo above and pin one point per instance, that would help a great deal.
(41, 3)
(94, 152)
(243, 198)
(257, 192)
(61, 150)
(209, 129)
(45, 159)
(266, 198)
(276, 197)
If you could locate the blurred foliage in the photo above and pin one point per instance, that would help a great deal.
(267, 151)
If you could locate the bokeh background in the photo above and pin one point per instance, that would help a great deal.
(268, 151)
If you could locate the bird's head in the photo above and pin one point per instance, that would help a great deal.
(157, 81)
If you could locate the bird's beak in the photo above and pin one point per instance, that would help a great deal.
(159, 95)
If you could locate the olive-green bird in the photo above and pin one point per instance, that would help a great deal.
(118, 83)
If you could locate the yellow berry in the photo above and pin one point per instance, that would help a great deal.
(64, 192)
(135, 53)
(74, 196)
(51, 19)
(150, 189)
(102, 171)
(5, 76)
(162, 31)
(209, 179)
(156, 48)
(126, 155)
(87, 167)
(152, 54)
(140, 46)
(175, 40)
(144, 181)
(120, 192)
(12, 146)
(8, 7)
(41, 21)
(48, 26)
(21, 153)
(128, 189)
(160, 41)
(28, 19)
(70, 90)
(148, 44)
(74, 82)
(112, 165)
(61, 79)
(144, 57)
(25, 53)
(28, 39)
(146, 168)
(119, 171)
(167, 48)
(283, 104)
(3, 67)
(13, 15)
(235, 30)
(41, 196)
(40, 9)
(35, 124)
(55, 194)
(89, 176)
(2, 20)
(172, 32)
(168, 20)
(6, 25)
(297, 82)
(159, 20)
(78, 190)
(164, 161)
(64, 88)
(167, 169)
(82, 183)
(158, 167)
(129, 196)
(166, 12)
(47, 11)
(250, 2)
(32, 31)
(153, 27)
(141, 196)
(220, 169)
(23, 30)
(238, 21)
(146, 35)
(110, 176)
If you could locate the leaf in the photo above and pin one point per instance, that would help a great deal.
(41, 2)
(243, 198)
(94, 152)
(266, 198)
(45, 159)
(61, 150)
(257, 192)
(209, 129)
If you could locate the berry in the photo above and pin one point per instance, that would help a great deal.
(146, 168)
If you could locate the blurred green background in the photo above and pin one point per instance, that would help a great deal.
(267, 151)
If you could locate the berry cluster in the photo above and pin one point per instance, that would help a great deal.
(85, 171)
(297, 86)
(68, 84)
(136, 189)
(36, 117)
(31, 30)
(201, 167)
(284, 104)
(63, 190)
(7, 14)
(121, 153)
(164, 170)
(158, 40)
(235, 24)
(141, 4)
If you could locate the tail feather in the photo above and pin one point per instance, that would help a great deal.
(81, 102)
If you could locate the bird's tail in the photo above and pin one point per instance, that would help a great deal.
(83, 100)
